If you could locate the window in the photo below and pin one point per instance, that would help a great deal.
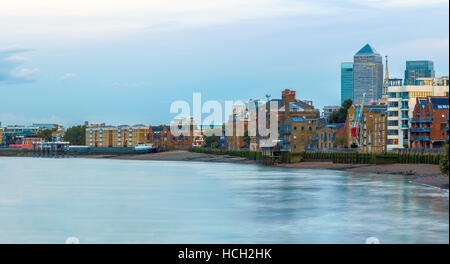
(393, 113)
(392, 122)
(393, 132)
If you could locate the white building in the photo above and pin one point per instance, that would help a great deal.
(401, 100)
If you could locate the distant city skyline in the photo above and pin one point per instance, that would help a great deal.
(127, 61)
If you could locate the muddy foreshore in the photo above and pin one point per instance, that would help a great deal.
(426, 174)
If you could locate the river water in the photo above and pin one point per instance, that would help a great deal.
(123, 201)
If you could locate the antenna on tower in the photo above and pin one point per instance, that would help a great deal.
(386, 78)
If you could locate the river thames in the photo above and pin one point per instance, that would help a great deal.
(124, 201)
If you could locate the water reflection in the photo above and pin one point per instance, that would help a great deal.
(113, 201)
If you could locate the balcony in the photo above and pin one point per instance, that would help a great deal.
(421, 120)
(405, 126)
(422, 138)
(285, 130)
(404, 107)
(419, 129)
(405, 116)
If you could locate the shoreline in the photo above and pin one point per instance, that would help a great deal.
(424, 174)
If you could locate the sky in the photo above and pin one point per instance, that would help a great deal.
(126, 61)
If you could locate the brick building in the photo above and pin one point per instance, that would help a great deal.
(129, 136)
(429, 125)
(328, 134)
(373, 137)
(359, 128)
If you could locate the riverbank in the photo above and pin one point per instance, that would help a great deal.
(426, 174)
(182, 155)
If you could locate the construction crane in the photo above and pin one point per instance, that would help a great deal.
(360, 120)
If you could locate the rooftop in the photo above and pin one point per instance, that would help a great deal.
(439, 102)
(367, 50)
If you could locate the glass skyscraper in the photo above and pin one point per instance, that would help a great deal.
(418, 69)
(367, 75)
(346, 81)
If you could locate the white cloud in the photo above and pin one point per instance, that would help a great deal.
(27, 74)
(75, 18)
(126, 85)
(67, 76)
(9, 66)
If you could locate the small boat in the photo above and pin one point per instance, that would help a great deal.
(144, 148)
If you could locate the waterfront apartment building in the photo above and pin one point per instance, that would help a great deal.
(373, 134)
(360, 127)
(401, 101)
(367, 75)
(298, 122)
(418, 69)
(429, 124)
(129, 136)
(346, 81)
(327, 135)
(16, 135)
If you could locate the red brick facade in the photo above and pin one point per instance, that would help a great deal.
(429, 125)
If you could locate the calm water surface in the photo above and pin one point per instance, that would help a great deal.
(121, 201)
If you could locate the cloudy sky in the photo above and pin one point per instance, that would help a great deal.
(126, 61)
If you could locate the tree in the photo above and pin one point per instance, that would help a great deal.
(211, 141)
(340, 115)
(46, 134)
(246, 138)
(444, 163)
(340, 140)
(76, 135)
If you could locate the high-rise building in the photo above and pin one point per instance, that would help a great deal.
(367, 75)
(418, 69)
(346, 81)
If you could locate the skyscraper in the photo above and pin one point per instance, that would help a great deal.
(418, 69)
(367, 75)
(346, 81)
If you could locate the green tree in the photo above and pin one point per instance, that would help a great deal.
(444, 163)
(46, 134)
(246, 138)
(211, 141)
(340, 140)
(76, 135)
(340, 115)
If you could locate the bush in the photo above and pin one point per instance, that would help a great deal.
(443, 164)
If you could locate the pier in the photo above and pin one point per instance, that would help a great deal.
(51, 149)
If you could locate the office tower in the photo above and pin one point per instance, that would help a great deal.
(418, 69)
(346, 81)
(367, 75)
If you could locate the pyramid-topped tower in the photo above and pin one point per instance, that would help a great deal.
(367, 75)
